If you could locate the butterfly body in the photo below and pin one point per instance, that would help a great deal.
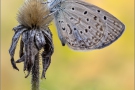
(83, 26)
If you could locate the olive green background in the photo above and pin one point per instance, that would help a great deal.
(111, 68)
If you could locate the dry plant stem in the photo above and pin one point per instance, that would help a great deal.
(35, 74)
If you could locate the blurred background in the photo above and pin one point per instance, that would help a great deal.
(111, 68)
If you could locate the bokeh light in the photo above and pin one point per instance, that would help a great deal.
(111, 68)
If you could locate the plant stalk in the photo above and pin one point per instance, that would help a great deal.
(35, 74)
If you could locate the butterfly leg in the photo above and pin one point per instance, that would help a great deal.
(51, 14)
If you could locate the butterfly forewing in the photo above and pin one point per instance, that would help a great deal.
(84, 26)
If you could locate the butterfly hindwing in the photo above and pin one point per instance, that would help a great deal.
(84, 26)
(114, 27)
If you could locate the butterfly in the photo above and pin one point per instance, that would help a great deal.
(80, 25)
(83, 26)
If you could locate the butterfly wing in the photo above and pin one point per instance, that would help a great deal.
(83, 26)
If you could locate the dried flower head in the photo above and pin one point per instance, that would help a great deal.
(32, 14)
(35, 35)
